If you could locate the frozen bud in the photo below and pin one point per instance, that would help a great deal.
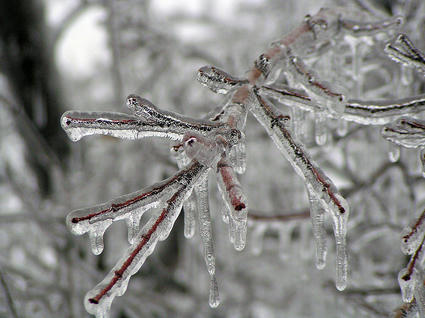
(263, 64)
(234, 136)
(219, 81)
(410, 240)
(202, 149)
(140, 106)
(407, 281)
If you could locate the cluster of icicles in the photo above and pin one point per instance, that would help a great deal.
(217, 144)
(409, 132)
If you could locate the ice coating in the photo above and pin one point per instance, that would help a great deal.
(233, 193)
(205, 229)
(412, 236)
(363, 112)
(419, 293)
(205, 232)
(80, 124)
(317, 214)
(190, 205)
(298, 124)
(357, 28)
(236, 203)
(190, 209)
(257, 235)
(407, 132)
(214, 299)
(204, 150)
(407, 284)
(205, 142)
(393, 152)
(237, 156)
(335, 205)
(130, 207)
(320, 129)
(98, 300)
(342, 128)
(422, 159)
(264, 64)
(219, 81)
(167, 120)
(284, 231)
(318, 90)
(402, 50)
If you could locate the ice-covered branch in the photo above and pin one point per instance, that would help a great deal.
(406, 132)
(99, 299)
(320, 187)
(219, 144)
(363, 112)
(403, 51)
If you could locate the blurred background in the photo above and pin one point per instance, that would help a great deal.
(57, 55)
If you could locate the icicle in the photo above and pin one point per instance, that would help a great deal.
(422, 160)
(419, 293)
(305, 249)
(320, 128)
(214, 299)
(257, 236)
(237, 156)
(298, 123)
(190, 205)
(341, 265)
(320, 91)
(284, 232)
(317, 214)
(403, 51)
(407, 132)
(224, 211)
(263, 64)
(219, 81)
(205, 230)
(240, 235)
(236, 203)
(96, 239)
(393, 152)
(334, 204)
(406, 75)
(189, 208)
(340, 232)
(356, 56)
(342, 128)
(407, 284)
(133, 222)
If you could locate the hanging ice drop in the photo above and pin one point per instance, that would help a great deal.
(321, 130)
(407, 284)
(422, 160)
(96, 239)
(214, 299)
(393, 152)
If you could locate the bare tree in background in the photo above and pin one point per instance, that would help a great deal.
(367, 67)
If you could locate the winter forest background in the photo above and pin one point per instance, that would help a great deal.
(59, 55)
